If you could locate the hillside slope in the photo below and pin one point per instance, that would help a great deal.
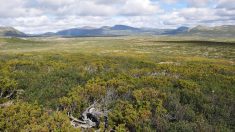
(124, 30)
(217, 31)
(11, 32)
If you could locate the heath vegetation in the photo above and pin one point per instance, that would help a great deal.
(146, 83)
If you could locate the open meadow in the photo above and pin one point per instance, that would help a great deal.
(146, 83)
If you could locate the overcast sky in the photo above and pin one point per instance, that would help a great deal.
(37, 16)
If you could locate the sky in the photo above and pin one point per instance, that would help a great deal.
(38, 16)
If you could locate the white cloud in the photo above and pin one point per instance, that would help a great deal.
(139, 7)
(197, 14)
(170, 1)
(97, 7)
(56, 2)
(227, 4)
(198, 3)
(16, 8)
(173, 19)
(52, 15)
(190, 3)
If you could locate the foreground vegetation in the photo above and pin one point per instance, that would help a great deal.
(153, 84)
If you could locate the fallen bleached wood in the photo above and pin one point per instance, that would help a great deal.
(6, 104)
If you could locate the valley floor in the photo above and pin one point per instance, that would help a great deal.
(147, 83)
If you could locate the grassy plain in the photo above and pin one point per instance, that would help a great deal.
(154, 79)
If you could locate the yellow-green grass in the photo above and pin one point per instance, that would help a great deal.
(151, 77)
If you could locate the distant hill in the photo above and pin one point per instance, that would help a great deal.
(179, 30)
(123, 27)
(124, 30)
(117, 30)
(217, 31)
(11, 32)
(80, 32)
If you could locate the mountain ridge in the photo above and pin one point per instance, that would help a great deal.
(116, 30)
(11, 32)
(125, 30)
(216, 31)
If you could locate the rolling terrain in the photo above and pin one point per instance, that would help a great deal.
(146, 83)
(217, 31)
(226, 31)
(11, 32)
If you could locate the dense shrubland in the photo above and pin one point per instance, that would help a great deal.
(151, 85)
